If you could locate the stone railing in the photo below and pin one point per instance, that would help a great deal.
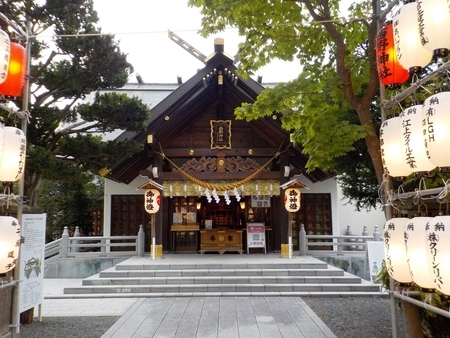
(96, 246)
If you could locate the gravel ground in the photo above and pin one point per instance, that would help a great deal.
(68, 327)
(357, 317)
(349, 317)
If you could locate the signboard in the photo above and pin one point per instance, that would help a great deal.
(32, 256)
(375, 251)
(262, 201)
(256, 236)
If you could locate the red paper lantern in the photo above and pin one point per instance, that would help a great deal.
(390, 72)
(15, 80)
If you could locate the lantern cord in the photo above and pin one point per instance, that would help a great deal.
(221, 187)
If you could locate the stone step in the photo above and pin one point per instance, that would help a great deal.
(220, 288)
(345, 279)
(221, 266)
(113, 273)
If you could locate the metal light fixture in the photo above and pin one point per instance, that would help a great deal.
(242, 205)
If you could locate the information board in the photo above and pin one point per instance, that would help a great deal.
(32, 256)
(256, 236)
(375, 251)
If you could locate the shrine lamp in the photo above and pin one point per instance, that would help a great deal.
(413, 146)
(12, 157)
(15, 78)
(438, 236)
(391, 143)
(395, 249)
(292, 199)
(5, 52)
(390, 72)
(9, 243)
(152, 200)
(410, 52)
(433, 19)
(418, 252)
(436, 128)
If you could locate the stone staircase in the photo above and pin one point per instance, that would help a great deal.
(218, 276)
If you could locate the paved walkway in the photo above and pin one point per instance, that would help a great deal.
(189, 317)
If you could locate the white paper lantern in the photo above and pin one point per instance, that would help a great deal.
(395, 249)
(439, 244)
(418, 252)
(392, 149)
(12, 161)
(410, 52)
(436, 128)
(9, 243)
(414, 151)
(433, 18)
(5, 52)
(292, 199)
(152, 201)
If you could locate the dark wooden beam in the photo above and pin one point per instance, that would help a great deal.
(198, 152)
(264, 175)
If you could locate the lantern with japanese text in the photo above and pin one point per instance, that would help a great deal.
(5, 49)
(418, 252)
(410, 52)
(433, 18)
(15, 80)
(12, 160)
(438, 236)
(292, 199)
(152, 201)
(436, 128)
(391, 143)
(9, 242)
(395, 249)
(390, 72)
(413, 145)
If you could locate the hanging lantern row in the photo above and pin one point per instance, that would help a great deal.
(12, 74)
(13, 146)
(420, 31)
(416, 250)
(418, 139)
(9, 243)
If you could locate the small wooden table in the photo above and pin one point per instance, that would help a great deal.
(220, 240)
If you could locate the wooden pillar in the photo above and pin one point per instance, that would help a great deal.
(281, 215)
(158, 163)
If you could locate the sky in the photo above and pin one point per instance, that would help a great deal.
(142, 27)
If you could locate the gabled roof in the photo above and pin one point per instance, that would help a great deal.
(188, 103)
